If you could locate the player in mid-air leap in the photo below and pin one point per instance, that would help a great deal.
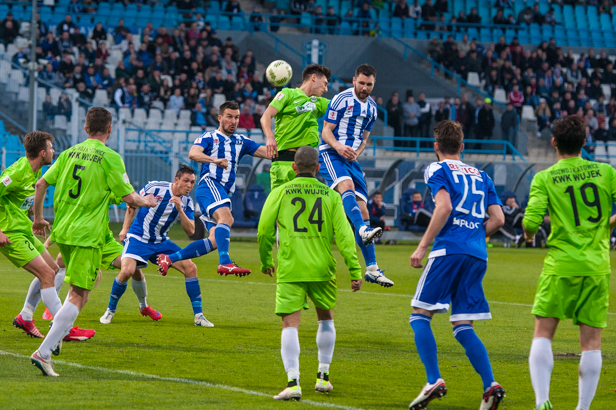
(220, 153)
(456, 264)
(575, 281)
(349, 120)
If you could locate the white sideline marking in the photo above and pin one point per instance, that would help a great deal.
(349, 291)
(180, 380)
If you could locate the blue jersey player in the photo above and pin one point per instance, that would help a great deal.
(145, 237)
(457, 263)
(220, 153)
(348, 122)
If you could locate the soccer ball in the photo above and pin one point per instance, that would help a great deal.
(279, 73)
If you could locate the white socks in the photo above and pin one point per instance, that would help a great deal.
(289, 350)
(59, 280)
(326, 340)
(141, 291)
(32, 299)
(590, 370)
(62, 324)
(51, 300)
(541, 362)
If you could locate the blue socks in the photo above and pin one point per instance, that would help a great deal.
(476, 353)
(426, 345)
(351, 208)
(117, 290)
(193, 250)
(367, 251)
(194, 293)
(222, 234)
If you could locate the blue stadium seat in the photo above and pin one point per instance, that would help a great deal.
(237, 23)
(345, 6)
(485, 35)
(345, 28)
(409, 28)
(305, 19)
(223, 23)
(385, 25)
(254, 201)
(396, 27)
(214, 7)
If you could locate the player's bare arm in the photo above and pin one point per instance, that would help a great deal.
(135, 200)
(187, 224)
(40, 224)
(129, 216)
(439, 219)
(328, 136)
(496, 221)
(266, 125)
(261, 152)
(362, 147)
(196, 154)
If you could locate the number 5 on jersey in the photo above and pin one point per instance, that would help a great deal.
(71, 193)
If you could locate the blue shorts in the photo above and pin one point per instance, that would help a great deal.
(143, 252)
(210, 196)
(456, 280)
(336, 169)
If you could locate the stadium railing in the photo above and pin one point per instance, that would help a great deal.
(600, 151)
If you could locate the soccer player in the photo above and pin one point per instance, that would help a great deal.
(456, 264)
(17, 240)
(146, 237)
(220, 153)
(349, 120)
(308, 215)
(85, 177)
(296, 111)
(574, 283)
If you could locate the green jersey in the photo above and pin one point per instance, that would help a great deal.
(86, 176)
(578, 195)
(296, 121)
(17, 196)
(309, 214)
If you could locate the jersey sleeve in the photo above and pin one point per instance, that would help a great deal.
(9, 180)
(322, 104)
(205, 142)
(249, 147)
(373, 119)
(266, 234)
(537, 204)
(117, 178)
(345, 239)
(114, 200)
(335, 110)
(190, 209)
(435, 178)
(51, 176)
(281, 99)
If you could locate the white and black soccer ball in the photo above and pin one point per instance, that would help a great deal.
(279, 73)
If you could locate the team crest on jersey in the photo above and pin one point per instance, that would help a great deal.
(159, 198)
(350, 108)
(198, 140)
(126, 179)
(7, 180)
(215, 140)
(332, 115)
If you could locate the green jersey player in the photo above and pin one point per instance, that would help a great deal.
(296, 111)
(85, 176)
(308, 214)
(574, 284)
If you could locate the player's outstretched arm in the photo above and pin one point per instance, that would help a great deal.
(40, 224)
(129, 216)
(266, 126)
(261, 152)
(187, 224)
(345, 240)
(439, 219)
(537, 204)
(197, 154)
(362, 147)
(496, 221)
(328, 136)
(135, 200)
(266, 235)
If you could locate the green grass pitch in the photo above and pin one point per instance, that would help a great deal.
(171, 364)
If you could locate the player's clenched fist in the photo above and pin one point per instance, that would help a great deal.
(417, 257)
(347, 152)
(177, 201)
(271, 147)
(222, 162)
(356, 285)
(4, 240)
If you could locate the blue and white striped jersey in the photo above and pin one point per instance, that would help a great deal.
(152, 224)
(352, 118)
(217, 145)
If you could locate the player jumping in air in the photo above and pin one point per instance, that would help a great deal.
(220, 153)
(85, 176)
(17, 240)
(349, 120)
(308, 215)
(457, 263)
(574, 283)
(296, 111)
(146, 237)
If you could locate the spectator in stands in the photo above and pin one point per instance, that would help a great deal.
(550, 17)
(49, 110)
(526, 16)
(332, 20)
(499, 18)
(120, 94)
(509, 124)
(376, 210)
(98, 33)
(442, 113)
(66, 26)
(537, 16)
(485, 120)
(512, 228)
(415, 10)
(426, 116)
(246, 119)
(473, 17)
(9, 29)
(233, 7)
(197, 117)
(176, 101)
(441, 7)
(85, 93)
(516, 98)
(411, 113)
(146, 98)
(543, 114)
(464, 45)
(434, 49)
(401, 10)
(591, 121)
(212, 117)
(64, 106)
(414, 211)
(394, 115)
(428, 12)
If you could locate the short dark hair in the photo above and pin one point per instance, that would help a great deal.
(448, 134)
(365, 69)
(35, 142)
(98, 120)
(569, 134)
(306, 159)
(318, 69)
(184, 169)
(377, 193)
(228, 105)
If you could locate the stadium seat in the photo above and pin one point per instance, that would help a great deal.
(473, 79)
(500, 96)
(396, 27)
(345, 28)
(218, 99)
(60, 122)
(170, 116)
(254, 201)
(101, 98)
(184, 116)
(528, 113)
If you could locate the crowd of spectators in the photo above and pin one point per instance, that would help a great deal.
(181, 69)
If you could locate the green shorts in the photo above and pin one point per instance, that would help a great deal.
(82, 265)
(22, 249)
(293, 296)
(281, 172)
(111, 250)
(582, 298)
